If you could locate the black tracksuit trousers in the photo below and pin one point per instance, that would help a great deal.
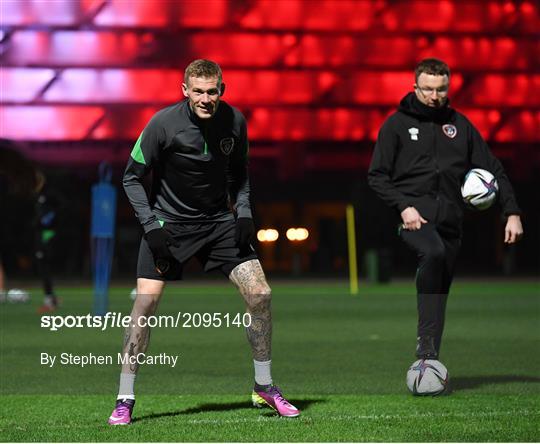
(437, 252)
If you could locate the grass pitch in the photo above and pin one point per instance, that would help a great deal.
(341, 359)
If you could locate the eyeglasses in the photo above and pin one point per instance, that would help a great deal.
(441, 91)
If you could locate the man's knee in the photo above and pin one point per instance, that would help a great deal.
(259, 298)
(435, 254)
(146, 304)
(148, 295)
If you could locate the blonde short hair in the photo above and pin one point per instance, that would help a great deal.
(203, 68)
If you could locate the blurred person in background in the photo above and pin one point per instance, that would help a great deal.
(23, 191)
(17, 184)
(45, 226)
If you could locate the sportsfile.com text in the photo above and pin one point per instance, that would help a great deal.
(180, 320)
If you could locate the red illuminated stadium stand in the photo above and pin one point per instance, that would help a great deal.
(302, 71)
(353, 15)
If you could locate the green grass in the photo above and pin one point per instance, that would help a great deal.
(228, 418)
(341, 359)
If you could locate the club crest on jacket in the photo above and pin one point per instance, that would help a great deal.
(449, 130)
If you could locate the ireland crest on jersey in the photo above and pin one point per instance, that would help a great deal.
(226, 145)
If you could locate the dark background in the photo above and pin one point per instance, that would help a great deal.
(315, 80)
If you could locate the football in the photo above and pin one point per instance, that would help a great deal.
(479, 189)
(18, 296)
(133, 294)
(427, 377)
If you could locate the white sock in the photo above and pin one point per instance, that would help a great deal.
(127, 386)
(262, 372)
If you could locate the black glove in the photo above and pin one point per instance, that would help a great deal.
(245, 231)
(158, 241)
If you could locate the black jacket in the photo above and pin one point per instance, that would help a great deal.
(421, 158)
(200, 167)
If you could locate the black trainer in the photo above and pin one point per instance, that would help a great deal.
(425, 348)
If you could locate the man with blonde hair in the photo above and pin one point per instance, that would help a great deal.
(198, 206)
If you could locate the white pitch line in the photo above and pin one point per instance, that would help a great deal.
(365, 417)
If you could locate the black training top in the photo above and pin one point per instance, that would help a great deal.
(421, 157)
(199, 167)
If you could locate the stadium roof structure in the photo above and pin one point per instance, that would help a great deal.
(311, 76)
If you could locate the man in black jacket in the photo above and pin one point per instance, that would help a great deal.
(197, 151)
(422, 154)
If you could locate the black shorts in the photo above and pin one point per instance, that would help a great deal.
(212, 243)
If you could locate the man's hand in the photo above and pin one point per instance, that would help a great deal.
(158, 241)
(513, 230)
(411, 219)
(245, 231)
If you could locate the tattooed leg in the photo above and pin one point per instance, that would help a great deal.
(250, 280)
(136, 338)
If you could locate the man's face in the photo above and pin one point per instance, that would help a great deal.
(203, 95)
(432, 90)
